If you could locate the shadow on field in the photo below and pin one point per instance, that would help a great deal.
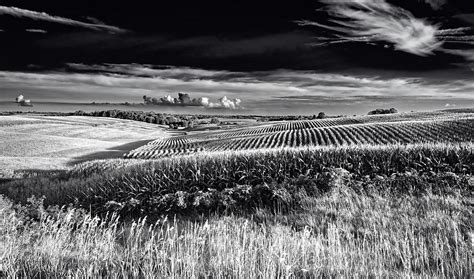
(110, 153)
(27, 173)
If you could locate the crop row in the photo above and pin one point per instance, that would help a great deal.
(194, 141)
(353, 134)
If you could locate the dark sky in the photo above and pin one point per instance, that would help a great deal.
(277, 56)
(236, 35)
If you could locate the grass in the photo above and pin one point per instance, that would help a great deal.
(340, 234)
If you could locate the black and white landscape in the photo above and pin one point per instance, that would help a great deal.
(236, 139)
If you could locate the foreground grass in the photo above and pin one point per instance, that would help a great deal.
(341, 234)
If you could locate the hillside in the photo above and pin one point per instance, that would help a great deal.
(387, 129)
(34, 142)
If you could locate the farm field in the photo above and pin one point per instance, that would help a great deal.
(37, 142)
(391, 129)
(370, 196)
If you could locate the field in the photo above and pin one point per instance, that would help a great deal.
(372, 196)
(38, 142)
(408, 128)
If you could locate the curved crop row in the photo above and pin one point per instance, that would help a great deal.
(352, 134)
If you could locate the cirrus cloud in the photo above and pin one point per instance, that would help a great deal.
(22, 13)
(435, 4)
(374, 21)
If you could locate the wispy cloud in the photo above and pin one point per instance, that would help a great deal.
(22, 13)
(435, 4)
(373, 21)
(36, 31)
(233, 84)
(281, 91)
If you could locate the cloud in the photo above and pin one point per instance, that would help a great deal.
(435, 4)
(468, 54)
(375, 21)
(143, 70)
(281, 91)
(22, 13)
(184, 99)
(36, 31)
(207, 83)
(223, 102)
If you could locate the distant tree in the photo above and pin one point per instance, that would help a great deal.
(383, 111)
(215, 120)
(321, 115)
(171, 119)
(146, 99)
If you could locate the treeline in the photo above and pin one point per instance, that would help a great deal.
(173, 121)
(383, 111)
(189, 121)
(320, 115)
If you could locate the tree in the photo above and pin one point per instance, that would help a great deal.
(215, 120)
(383, 111)
(146, 99)
(321, 115)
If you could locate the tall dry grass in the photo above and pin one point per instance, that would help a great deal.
(342, 234)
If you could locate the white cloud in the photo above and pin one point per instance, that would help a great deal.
(149, 70)
(22, 13)
(282, 88)
(36, 31)
(468, 54)
(377, 20)
(435, 4)
(223, 102)
(372, 21)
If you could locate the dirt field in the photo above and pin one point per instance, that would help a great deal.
(36, 142)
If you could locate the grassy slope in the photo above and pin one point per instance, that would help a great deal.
(48, 142)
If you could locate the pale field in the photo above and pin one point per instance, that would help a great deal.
(55, 142)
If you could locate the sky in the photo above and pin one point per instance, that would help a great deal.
(292, 57)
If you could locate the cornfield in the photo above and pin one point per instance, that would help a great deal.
(330, 132)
